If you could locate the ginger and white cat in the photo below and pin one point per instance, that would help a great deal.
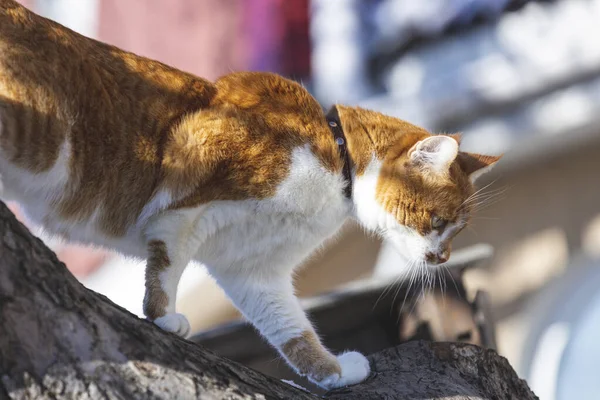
(245, 175)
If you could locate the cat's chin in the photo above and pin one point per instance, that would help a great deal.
(433, 266)
(411, 247)
(420, 263)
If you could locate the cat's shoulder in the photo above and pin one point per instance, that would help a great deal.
(267, 91)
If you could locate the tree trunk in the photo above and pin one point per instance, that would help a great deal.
(59, 340)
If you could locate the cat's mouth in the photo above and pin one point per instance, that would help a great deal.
(416, 248)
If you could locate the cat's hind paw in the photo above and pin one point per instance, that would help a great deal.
(355, 369)
(175, 322)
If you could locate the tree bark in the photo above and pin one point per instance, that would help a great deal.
(59, 340)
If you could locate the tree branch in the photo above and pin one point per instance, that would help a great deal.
(59, 340)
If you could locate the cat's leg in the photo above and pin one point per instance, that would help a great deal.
(172, 242)
(163, 272)
(270, 304)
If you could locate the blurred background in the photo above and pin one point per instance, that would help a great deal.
(514, 76)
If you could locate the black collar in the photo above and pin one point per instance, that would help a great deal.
(333, 121)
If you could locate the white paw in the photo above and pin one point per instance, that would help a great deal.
(355, 369)
(176, 323)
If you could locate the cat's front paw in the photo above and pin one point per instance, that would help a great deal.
(355, 369)
(175, 322)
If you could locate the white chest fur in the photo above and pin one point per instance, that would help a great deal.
(277, 232)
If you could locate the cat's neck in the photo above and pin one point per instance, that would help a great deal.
(374, 136)
(374, 140)
(335, 125)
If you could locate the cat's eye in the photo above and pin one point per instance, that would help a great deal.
(438, 223)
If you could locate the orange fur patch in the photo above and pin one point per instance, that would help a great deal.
(310, 358)
(155, 299)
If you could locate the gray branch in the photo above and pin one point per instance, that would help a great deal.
(59, 340)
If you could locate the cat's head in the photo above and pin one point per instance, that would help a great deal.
(412, 187)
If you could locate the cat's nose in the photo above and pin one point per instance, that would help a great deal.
(444, 256)
(438, 257)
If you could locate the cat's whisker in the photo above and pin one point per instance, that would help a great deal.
(388, 288)
(382, 295)
(423, 277)
(410, 282)
(453, 280)
(422, 265)
(470, 228)
(443, 286)
(433, 281)
(476, 203)
(429, 281)
(422, 280)
(427, 287)
(474, 207)
(481, 189)
(484, 198)
(490, 193)
(483, 206)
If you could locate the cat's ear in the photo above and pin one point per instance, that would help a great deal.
(475, 165)
(434, 154)
(455, 136)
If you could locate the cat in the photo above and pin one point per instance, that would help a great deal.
(246, 175)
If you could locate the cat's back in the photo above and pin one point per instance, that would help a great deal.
(83, 124)
(94, 139)
(245, 143)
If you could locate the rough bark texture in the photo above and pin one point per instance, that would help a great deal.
(59, 340)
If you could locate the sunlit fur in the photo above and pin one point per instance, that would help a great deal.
(243, 175)
(400, 185)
